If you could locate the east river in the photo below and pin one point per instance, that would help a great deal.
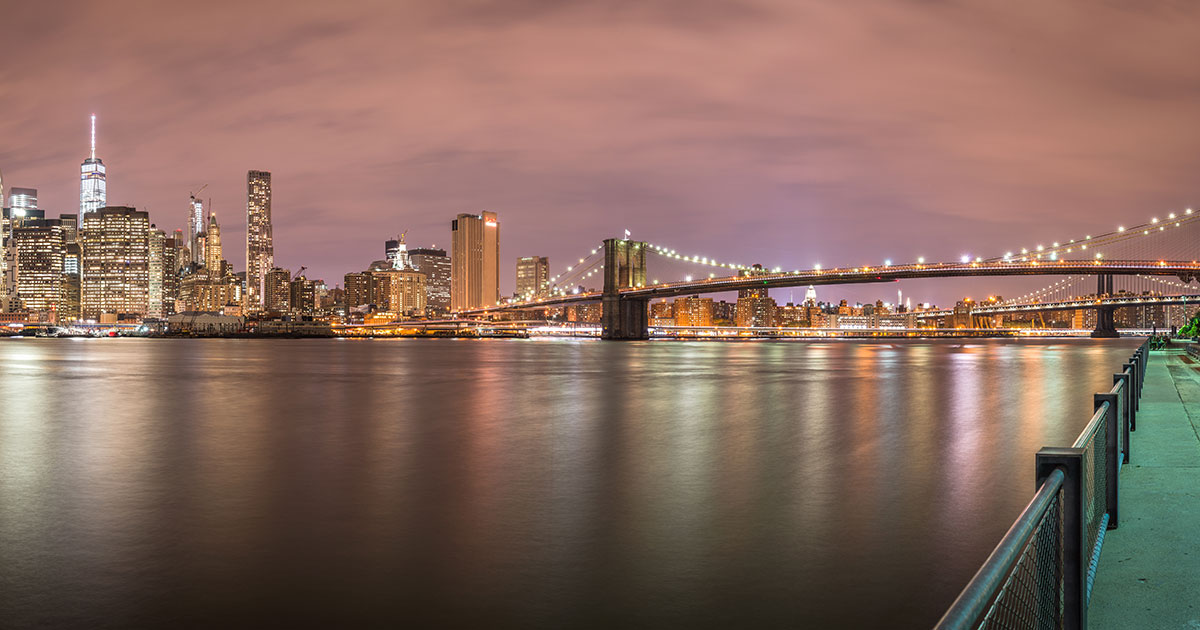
(518, 483)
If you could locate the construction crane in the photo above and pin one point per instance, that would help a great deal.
(299, 272)
(199, 191)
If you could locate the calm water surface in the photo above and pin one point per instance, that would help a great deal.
(529, 483)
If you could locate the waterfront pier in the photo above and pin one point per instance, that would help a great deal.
(1149, 571)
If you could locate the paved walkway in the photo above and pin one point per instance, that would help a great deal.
(1149, 573)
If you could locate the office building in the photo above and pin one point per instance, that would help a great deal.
(155, 270)
(93, 186)
(22, 202)
(260, 249)
(277, 291)
(474, 261)
(39, 258)
(435, 264)
(214, 257)
(68, 308)
(115, 272)
(533, 277)
(70, 227)
(195, 226)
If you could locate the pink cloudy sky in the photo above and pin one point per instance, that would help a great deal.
(784, 132)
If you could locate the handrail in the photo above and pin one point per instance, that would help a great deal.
(982, 590)
(1093, 425)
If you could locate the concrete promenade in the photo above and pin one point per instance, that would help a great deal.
(1149, 573)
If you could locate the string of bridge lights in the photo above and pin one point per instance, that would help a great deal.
(1024, 254)
(1169, 283)
(1032, 295)
(1121, 233)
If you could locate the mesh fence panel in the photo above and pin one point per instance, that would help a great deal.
(1095, 486)
(1032, 596)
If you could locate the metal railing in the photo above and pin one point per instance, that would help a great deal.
(1041, 573)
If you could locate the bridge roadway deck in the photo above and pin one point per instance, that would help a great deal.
(1149, 573)
(866, 275)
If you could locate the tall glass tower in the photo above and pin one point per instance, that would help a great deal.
(260, 249)
(93, 193)
(196, 229)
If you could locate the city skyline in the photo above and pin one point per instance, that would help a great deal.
(995, 149)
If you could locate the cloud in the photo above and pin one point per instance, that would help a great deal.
(783, 132)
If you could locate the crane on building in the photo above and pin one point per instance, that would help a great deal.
(299, 272)
(198, 192)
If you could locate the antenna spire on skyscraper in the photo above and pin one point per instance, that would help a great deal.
(93, 136)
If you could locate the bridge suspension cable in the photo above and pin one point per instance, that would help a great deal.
(1090, 246)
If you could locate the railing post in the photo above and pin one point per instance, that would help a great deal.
(1075, 559)
(1126, 377)
(1112, 454)
(1138, 361)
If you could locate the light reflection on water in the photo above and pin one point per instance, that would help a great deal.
(549, 484)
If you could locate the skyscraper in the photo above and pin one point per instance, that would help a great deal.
(213, 255)
(23, 202)
(474, 261)
(39, 246)
(68, 309)
(533, 277)
(195, 224)
(156, 271)
(116, 257)
(93, 186)
(260, 250)
(435, 264)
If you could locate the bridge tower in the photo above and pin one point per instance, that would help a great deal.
(624, 267)
(1106, 322)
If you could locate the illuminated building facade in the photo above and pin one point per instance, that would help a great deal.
(533, 277)
(587, 313)
(164, 274)
(22, 202)
(214, 257)
(357, 289)
(435, 264)
(399, 291)
(474, 261)
(195, 224)
(116, 257)
(756, 310)
(260, 249)
(662, 313)
(68, 309)
(277, 290)
(693, 311)
(70, 227)
(157, 243)
(39, 246)
(302, 296)
(93, 187)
